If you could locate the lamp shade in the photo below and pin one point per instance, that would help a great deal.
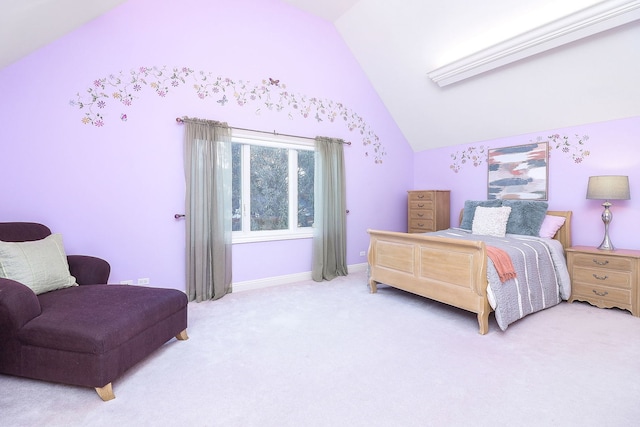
(608, 187)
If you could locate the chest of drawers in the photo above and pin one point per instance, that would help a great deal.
(605, 278)
(428, 210)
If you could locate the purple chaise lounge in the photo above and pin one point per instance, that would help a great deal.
(86, 335)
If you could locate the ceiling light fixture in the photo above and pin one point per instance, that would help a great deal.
(592, 20)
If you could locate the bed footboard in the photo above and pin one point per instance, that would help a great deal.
(447, 270)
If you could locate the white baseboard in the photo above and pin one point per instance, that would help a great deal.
(268, 282)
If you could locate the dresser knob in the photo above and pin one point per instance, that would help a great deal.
(605, 262)
(421, 205)
(420, 215)
(420, 196)
(600, 294)
(600, 277)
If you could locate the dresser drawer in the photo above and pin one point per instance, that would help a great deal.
(604, 295)
(423, 214)
(421, 225)
(603, 277)
(421, 205)
(602, 262)
(423, 196)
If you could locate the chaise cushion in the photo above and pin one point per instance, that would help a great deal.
(96, 319)
(23, 231)
(41, 264)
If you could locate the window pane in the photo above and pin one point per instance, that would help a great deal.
(306, 164)
(269, 188)
(236, 189)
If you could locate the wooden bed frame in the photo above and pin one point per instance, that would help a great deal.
(451, 271)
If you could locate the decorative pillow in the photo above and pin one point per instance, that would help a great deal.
(40, 264)
(550, 226)
(526, 216)
(470, 208)
(491, 221)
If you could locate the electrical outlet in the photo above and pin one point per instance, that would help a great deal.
(144, 281)
(361, 253)
(126, 282)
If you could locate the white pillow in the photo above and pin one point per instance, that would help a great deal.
(550, 226)
(40, 264)
(491, 221)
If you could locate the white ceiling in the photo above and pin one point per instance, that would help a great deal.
(398, 42)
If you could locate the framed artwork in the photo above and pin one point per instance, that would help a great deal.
(519, 172)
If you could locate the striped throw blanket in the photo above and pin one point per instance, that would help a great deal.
(539, 275)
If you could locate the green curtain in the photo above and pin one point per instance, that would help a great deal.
(207, 157)
(330, 222)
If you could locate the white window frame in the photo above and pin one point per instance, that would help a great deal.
(248, 138)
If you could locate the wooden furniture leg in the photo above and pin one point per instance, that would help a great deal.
(182, 336)
(106, 392)
(483, 321)
(373, 286)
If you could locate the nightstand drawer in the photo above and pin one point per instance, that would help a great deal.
(602, 262)
(602, 294)
(602, 277)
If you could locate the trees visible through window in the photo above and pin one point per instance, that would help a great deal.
(272, 188)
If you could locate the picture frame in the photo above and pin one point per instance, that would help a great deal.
(519, 172)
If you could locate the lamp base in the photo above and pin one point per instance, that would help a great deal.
(606, 244)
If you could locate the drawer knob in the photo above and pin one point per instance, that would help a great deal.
(600, 277)
(600, 294)
(420, 215)
(605, 262)
(420, 205)
(420, 196)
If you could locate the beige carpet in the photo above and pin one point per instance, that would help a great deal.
(332, 354)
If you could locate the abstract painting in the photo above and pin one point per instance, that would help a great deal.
(519, 172)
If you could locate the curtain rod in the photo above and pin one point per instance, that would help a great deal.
(180, 120)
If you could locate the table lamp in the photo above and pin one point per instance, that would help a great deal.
(608, 187)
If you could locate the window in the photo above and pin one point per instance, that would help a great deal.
(272, 187)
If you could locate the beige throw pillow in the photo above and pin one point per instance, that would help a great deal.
(491, 221)
(41, 264)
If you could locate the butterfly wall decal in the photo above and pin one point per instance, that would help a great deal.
(223, 100)
(274, 82)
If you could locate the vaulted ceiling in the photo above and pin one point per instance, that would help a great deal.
(398, 43)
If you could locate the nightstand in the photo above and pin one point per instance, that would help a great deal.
(605, 278)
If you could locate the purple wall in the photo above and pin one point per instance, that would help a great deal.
(112, 190)
(610, 148)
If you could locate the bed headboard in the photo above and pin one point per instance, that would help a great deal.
(563, 235)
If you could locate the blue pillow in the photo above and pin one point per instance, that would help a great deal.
(526, 216)
(470, 210)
